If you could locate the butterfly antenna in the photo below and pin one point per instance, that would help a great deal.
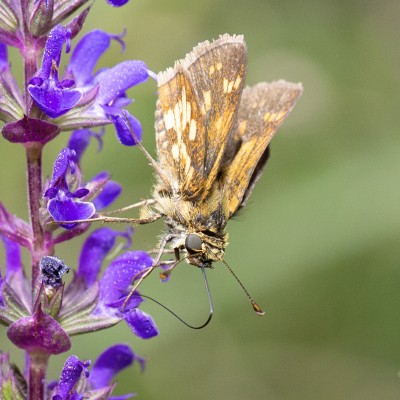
(255, 306)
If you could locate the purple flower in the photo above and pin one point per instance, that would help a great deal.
(65, 205)
(73, 371)
(81, 203)
(109, 293)
(107, 88)
(115, 293)
(76, 382)
(54, 97)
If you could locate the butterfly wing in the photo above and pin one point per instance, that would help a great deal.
(198, 102)
(262, 110)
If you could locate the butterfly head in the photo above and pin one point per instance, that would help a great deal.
(203, 248)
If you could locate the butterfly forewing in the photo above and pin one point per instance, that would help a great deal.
(262, 110)
(198, 102)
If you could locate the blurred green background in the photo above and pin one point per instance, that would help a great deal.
(318, 245)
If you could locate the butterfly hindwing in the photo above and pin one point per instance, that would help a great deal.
(262, 110)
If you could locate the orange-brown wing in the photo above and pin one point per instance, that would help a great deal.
(262, 110)
(198, 103)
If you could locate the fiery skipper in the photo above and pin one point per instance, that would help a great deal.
(212, 137)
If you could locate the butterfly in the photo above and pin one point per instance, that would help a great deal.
(212, 136)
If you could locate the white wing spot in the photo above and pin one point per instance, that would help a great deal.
(192, 131)
(237, 82)
(169, 119)
(207, 99)
(175, 152)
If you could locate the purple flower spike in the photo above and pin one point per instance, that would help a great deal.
(71, 373)
(110, 363)
(54, 97)
(94, 250)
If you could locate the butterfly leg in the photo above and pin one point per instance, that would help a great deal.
(156, 263)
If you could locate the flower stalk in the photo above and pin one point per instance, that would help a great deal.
(40, 311)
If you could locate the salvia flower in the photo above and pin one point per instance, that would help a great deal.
(69, 199)
(77, 381)
(54, 97)
(106, 301)
(104, 96)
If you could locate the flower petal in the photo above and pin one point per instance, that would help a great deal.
(71, 373)
(141, 323)
(110, 192)
(54, 100)
(80, 140)
(117, 3)
(109, 363)
(124, 134)
(117, 278)
(96, 247)
(86, 55)
(115, 81)
(70, 210)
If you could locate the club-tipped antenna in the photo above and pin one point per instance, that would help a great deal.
(255, 306)
(180, 318)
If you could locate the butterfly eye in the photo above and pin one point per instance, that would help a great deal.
(193, 243)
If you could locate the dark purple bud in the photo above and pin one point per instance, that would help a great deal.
(39, 332)
(30, 130)
(142, 324)
(52, 269)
